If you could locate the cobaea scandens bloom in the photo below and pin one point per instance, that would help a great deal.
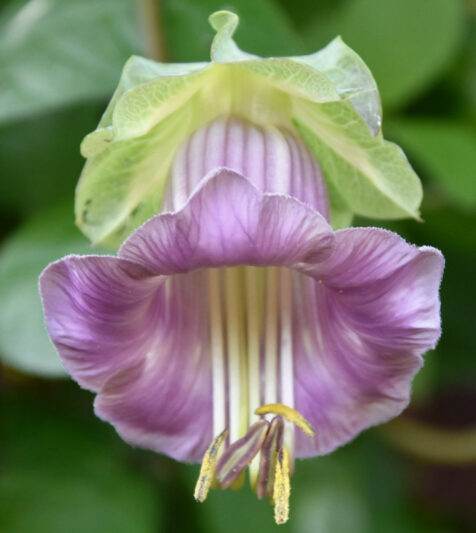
(236, 326)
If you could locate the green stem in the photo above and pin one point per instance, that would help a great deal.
(152, 23)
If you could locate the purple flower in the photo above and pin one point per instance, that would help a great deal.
(242, 296)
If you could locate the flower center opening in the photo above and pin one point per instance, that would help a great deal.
(251, 346)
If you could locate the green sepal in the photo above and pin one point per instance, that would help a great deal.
(330, 96)
(371, 175)
(352, 79)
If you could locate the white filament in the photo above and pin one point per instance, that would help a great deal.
(237, 364)
(253, 323)
(286, 360)
(271, 337)
(251, 346)
(217, 352)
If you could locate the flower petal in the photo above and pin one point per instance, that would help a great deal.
(97, 311)
(229, 222)
(165, 402)
(274, 160)
(363, 322)
(134, 338)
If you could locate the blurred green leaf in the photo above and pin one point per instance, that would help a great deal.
(321, 499)
(469, 72)
(360, 488)
(300, 11)
(24, 343)
(406, 44)
(62, 474)
(264, 28)
(53, 52)
(445, 150)
(40, 161)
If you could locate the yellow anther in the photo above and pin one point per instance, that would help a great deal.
(289, 414)
(207, 470)
(281, 487)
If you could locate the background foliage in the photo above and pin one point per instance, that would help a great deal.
(63, 470)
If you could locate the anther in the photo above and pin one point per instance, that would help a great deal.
(207, 470)
(267, 465)
(289, 414)
(238, 455)
(282, 487)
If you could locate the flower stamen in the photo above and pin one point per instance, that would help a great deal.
(282, 487)
(207, 470)
(271, 336)
(217, 350)
(286, 353)
(254, 316)
(289, 414)
(239, 454)
(237, 364)
(267, 464)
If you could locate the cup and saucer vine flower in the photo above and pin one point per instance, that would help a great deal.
(241, 325)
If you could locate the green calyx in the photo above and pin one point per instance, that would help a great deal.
(330, 97)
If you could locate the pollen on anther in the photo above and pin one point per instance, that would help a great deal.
(207, 470)
(282, 487)
(289, 414)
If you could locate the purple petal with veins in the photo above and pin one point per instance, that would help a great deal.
(229, 222)
(274, 161)
(368, 314)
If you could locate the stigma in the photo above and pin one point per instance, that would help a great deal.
(262, 445)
